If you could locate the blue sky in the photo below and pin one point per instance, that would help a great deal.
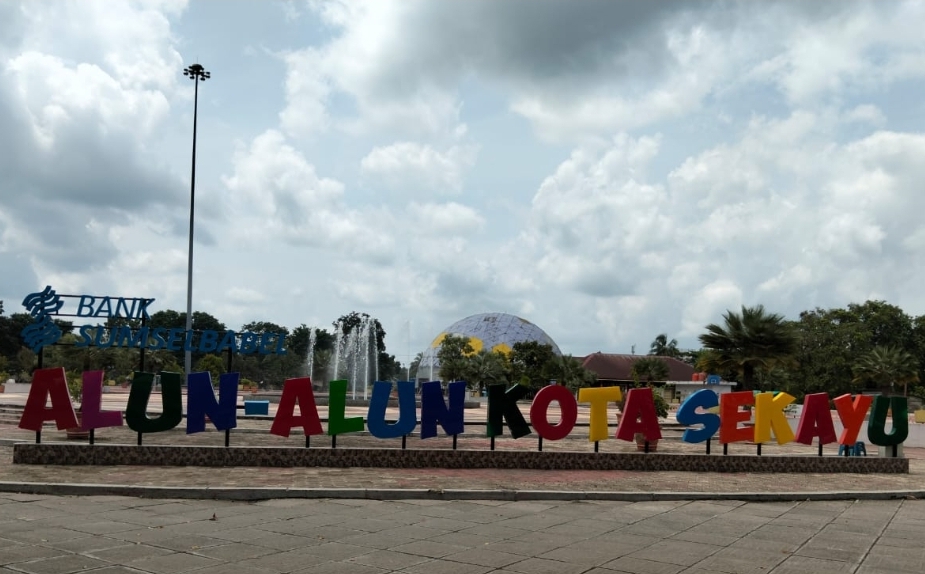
(607, 170)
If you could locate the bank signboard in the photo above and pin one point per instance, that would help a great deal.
(44, 306)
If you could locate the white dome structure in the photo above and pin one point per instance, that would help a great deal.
(491, 331)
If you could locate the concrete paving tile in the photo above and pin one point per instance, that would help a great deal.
(367, 525)
(129, 553)
(500, 531)
(856, 525)
(233, 552)
(234, 534)
(171, 563)
(60, 565)
(187, 543)
(535, 522)
(739, 562)
(445, 524)
(850, 555)
(707, 508)
(583, 526)
(868, 570)
(784, 533)
(641, 566)
(543, 566)
(588, 555)
(142, 535)
(805, 565)
(387, 559)
(85, 545)
(463, 539)
(443, 567)
(889, 541)
(115, 569)
(677, 552)
(285, 542)
(43, 535)
(378, 540)
(26, 552)
(224, 569)
(418, 533)
(341, 568)
(899, 559)
(4, 542)
(282, 561)
(704, 536)
(754, 541)
(336, 551)
(429, 549)
(483, 557)
(104, 527)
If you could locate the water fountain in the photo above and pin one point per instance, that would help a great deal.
(355, 356)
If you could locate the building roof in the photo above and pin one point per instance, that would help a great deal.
(612, 367)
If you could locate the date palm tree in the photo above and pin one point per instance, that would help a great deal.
(568, 371)
(650, 370)
(662, 347)
(886, 366)
(485, 368)
(747, 343)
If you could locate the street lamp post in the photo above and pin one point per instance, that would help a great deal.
(196, 73)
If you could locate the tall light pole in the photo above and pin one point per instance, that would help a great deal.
(196, 73)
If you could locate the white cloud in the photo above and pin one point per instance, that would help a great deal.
(414, 167)
(275, 191)
(445, 219)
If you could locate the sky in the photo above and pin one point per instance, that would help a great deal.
(608, 170)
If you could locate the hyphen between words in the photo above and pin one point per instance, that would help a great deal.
(639, 414)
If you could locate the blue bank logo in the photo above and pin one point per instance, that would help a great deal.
(42, 331)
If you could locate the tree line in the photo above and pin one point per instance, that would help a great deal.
(869, 347)
(864, 347)
(529, 363)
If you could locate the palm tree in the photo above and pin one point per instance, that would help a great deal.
(485, 368)
(662, 347)
(886, 365)
(568, 371)
(650, 370)
(748, 342)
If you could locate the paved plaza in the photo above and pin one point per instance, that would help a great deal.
(46, 535)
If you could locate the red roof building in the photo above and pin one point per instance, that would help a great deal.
(611, 368)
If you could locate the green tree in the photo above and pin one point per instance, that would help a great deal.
(748, 343)
(485, 368)
(662, 347)
(830, 341)
(11, 327)
(213, 364)
(453, 356)
(534, 362)
(650, 370)
(886, 366)
(568, 371)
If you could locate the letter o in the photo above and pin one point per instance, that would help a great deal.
(568, 407)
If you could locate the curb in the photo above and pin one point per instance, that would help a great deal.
(257, 493)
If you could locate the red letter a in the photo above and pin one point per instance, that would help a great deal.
(297, 390)
(639, 416)
(47, 382)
